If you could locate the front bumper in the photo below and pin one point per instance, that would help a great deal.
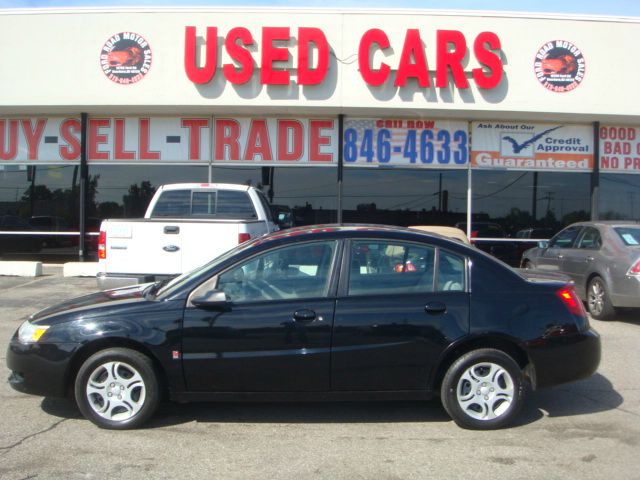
(565, 358)
(40, 369)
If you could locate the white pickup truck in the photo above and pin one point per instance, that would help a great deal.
(185, 226)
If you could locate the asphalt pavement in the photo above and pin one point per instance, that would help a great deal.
(587, 430)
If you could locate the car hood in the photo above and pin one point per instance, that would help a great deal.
(106, 298)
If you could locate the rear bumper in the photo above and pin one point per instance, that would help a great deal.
(626, 292)
(565, 358)
(39, 369)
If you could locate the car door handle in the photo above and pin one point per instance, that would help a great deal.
(589, 259)
(304, 316)
(435, 308)
(172, 229)
(171, 248)
(560, 257)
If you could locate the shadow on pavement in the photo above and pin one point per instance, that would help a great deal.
(628, 315)
(301, 412)
(592, 395)
(60, 407)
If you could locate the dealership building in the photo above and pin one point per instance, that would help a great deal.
(503, 124)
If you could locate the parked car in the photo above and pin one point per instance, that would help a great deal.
(185, 226)
(535, 234)
(602, 258)
(320, 312)
(13, 243)
(51, 223)
(503, 249)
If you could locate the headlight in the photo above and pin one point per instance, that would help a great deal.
(30, 333)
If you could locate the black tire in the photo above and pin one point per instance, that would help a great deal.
(490, 406)
(527, 265)
(598, 300)
(124, 389)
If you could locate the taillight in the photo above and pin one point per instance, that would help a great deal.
(102, 245)
(571, 301)
(243, 237)
(474, 233)
(635, 268)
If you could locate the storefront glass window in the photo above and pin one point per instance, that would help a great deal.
(619, 197)
(404, 197)
(520, 201)
(39, 198)
(124, 191)
(311, 193)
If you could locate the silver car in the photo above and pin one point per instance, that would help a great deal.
(602, 258)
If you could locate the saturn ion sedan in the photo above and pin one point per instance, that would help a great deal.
(354, 312)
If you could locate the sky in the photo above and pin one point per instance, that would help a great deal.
(586, 7)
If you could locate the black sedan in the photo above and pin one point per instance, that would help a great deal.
(328, 312)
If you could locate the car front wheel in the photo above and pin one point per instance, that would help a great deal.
(483, 390)
(117, 389)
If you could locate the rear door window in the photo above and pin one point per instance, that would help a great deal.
(388, 267)
(590, 239)
(565, 238)
(451, 270)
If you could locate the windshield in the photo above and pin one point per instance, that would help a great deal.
(629, 235)
(175, 284)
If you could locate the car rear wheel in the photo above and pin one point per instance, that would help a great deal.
(527, 265)
(483, 390)
(117, 389)
(598, 301)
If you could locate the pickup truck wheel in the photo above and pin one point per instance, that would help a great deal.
(598, 301)
(117, 389)
(483, 390)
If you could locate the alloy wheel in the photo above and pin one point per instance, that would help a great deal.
(595, 298)
(115, 391)
(485, 391)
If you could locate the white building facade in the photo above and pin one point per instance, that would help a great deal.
(499, 123)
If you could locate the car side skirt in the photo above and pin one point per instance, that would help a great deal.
(359, 396)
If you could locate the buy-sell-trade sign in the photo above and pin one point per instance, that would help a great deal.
(532, 146)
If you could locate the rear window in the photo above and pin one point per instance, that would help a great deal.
(173, 203)
(223, 204)
(629, 235)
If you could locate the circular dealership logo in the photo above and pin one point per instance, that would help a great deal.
(559, 66)
(125, 58)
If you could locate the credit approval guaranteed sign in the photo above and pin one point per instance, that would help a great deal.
(532, 146)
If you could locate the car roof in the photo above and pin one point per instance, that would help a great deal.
(608, 223)
(196, 186)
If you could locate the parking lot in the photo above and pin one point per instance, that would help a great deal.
(589, 429)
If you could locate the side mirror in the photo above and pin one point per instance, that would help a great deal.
(284, 219)
(213, 299)
(543, 244)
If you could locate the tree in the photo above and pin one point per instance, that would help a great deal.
(138, 198)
